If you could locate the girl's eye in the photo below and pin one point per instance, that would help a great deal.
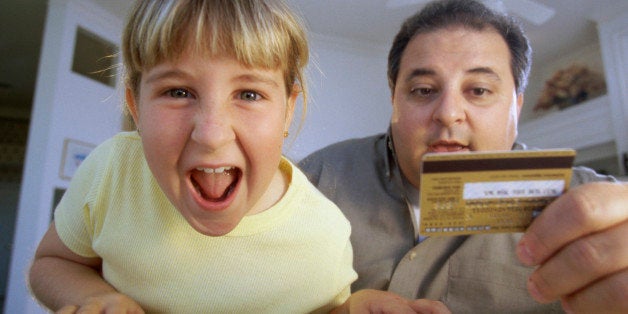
(250, 96)
(178, 93)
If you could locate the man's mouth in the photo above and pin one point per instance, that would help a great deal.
(447, 147)
(215, 184)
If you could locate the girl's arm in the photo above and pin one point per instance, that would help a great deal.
(60, 278)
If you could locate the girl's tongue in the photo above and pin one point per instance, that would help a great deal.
(215, 184)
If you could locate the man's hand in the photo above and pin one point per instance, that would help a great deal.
(580, 243)
(375, 301)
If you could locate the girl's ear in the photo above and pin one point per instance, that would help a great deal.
(131, 104)
(291, 104)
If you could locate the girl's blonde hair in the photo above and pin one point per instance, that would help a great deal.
(258, 33)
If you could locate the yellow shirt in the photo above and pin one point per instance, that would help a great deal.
(292, 258)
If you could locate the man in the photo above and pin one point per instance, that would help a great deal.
(457, 74)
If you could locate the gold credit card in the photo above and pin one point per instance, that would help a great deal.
(489, 192)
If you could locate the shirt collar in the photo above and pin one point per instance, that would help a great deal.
(390, 158)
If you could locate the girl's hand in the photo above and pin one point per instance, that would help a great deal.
(107, 303)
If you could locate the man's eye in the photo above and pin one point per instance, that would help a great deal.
(178, 93)
(423, 91)
(250, 96)
(479, 91)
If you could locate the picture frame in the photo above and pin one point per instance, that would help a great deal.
(74, 152)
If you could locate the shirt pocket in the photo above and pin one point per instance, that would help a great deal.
(484, 286)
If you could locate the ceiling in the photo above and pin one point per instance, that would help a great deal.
(368, 21)
(371, 20)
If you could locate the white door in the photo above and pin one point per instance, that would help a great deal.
(73, 110)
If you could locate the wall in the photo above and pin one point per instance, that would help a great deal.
(349, 95)
(597, 127)
(589, 55)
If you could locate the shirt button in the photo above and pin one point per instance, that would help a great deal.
(412, 255)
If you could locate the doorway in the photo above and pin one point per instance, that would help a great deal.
(22, 23)
(72, 101)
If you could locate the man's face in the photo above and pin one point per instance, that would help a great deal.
(455, 92)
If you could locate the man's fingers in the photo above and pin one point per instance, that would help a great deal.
(426, 306)
(582, 210)
(581, 263)
(605, 296)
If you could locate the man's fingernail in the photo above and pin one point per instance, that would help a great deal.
(524, 254)
(566, 307)
(534, 291)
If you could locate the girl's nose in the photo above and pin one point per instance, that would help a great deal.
(212, 126)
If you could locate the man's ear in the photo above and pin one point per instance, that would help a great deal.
(131, 104)
(519, 104)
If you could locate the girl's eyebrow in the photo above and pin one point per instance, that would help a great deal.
(257, 78)
(249, 78)
(159, 75)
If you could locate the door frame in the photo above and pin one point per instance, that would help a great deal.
(56, 116)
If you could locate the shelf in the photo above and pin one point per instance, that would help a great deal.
(584, 125)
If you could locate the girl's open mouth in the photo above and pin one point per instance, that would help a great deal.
(215, 184)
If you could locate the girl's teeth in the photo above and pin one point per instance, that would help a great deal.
(214, 170)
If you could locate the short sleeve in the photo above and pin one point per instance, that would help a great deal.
(72, 216)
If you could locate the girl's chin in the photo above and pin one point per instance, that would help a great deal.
(213, 216)
(213, 229)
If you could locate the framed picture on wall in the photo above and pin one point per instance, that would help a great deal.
(74, 152)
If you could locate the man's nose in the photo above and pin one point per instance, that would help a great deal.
(450, 109)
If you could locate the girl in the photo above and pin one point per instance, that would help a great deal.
(198, 211)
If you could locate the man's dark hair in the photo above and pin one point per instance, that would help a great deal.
(469, 14)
